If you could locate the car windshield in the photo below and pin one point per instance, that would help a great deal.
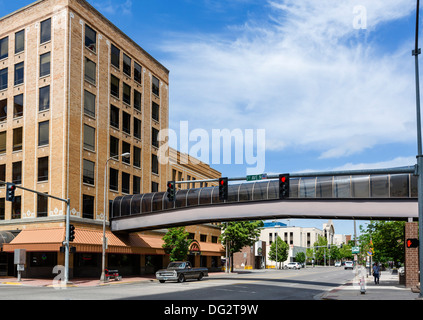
(176, 265)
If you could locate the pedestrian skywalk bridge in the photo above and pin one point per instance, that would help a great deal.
(363, 195)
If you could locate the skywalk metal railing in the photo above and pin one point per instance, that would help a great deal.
(396, 183)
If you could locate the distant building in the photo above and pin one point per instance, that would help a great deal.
(298, 238)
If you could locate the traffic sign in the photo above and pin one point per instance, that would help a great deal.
(256, 177)
(355, 250)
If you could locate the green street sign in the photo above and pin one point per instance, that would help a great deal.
(355, 250)
(257, 177)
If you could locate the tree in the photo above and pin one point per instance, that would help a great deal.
(319, 253)
(238, 235)
(300, 257)
(387, 238)
(176, 244)
(282, 250)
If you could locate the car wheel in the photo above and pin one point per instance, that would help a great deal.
(161, 281)
(181, 278)
(200, 277)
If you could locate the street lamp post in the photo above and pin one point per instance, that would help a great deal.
(416, 53)
(103, 258)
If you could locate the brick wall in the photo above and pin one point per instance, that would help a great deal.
(411, 256)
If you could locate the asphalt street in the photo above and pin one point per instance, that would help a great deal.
(304, 284)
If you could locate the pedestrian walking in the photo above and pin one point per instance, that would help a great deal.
(376, 272)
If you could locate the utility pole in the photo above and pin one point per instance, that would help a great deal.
(419, 172)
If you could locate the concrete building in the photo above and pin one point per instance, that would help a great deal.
(298, 238)
(74, 92)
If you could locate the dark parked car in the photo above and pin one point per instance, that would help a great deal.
(181, 271)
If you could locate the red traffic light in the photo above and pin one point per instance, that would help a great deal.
(412, 243)
(283, 179)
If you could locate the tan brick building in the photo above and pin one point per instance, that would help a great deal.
(74, 92)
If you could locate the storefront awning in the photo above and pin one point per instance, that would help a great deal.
(37, 240)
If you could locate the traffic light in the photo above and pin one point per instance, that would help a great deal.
(223, 189)
(71, 233)
(10, 192)
(412, 243)
(283, 186)
(171, 190)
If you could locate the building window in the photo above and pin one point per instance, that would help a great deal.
(3, 110)
(155, 111)
(90, 38)
(90, 71)
(114, 86)
(203, 237)
(45, 34)
(17, 172)
(3, 138)
(154, 136)
(19, 73)
(2, 172)
(137, 128)
(154, 187)
(155, 86)
(126, 122)
(43, 169)
(125, 182)
(127, 65)
(89, 103)
(126, 94)
(16, 208)
(44, 99)
(17, 139)
(126, 148)
(115, 57)
(42, 206)
(18, 106)
(89, 138)
(87, 207)
(137, 100)
(114, 146)
(137, 72)
(43, 133)
(45, 64)
(4, 48)
(136, 185)
(154, 164)
(2, 209)
(114, 116)
(3, 79)
(137, 157)
(88, 172)
(114, 179)
(19, 41)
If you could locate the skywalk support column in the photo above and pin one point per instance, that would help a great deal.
(419, 170)
(411, 256)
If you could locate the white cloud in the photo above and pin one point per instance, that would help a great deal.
(113, 7)
(305, 75)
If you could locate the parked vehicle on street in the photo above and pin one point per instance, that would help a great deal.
(181, 271)
(338, 263)
(292, 265)
(349, 265)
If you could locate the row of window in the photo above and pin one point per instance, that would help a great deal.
(18, 104)
(43, 137)
(17, 171)
(19, 71)
(45, 36)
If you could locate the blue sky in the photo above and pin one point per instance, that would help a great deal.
(329, 96)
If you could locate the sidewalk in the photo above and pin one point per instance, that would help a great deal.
(73, 282)
(387, 289)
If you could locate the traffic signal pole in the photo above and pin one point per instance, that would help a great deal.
(419, 170)
(66, 242)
